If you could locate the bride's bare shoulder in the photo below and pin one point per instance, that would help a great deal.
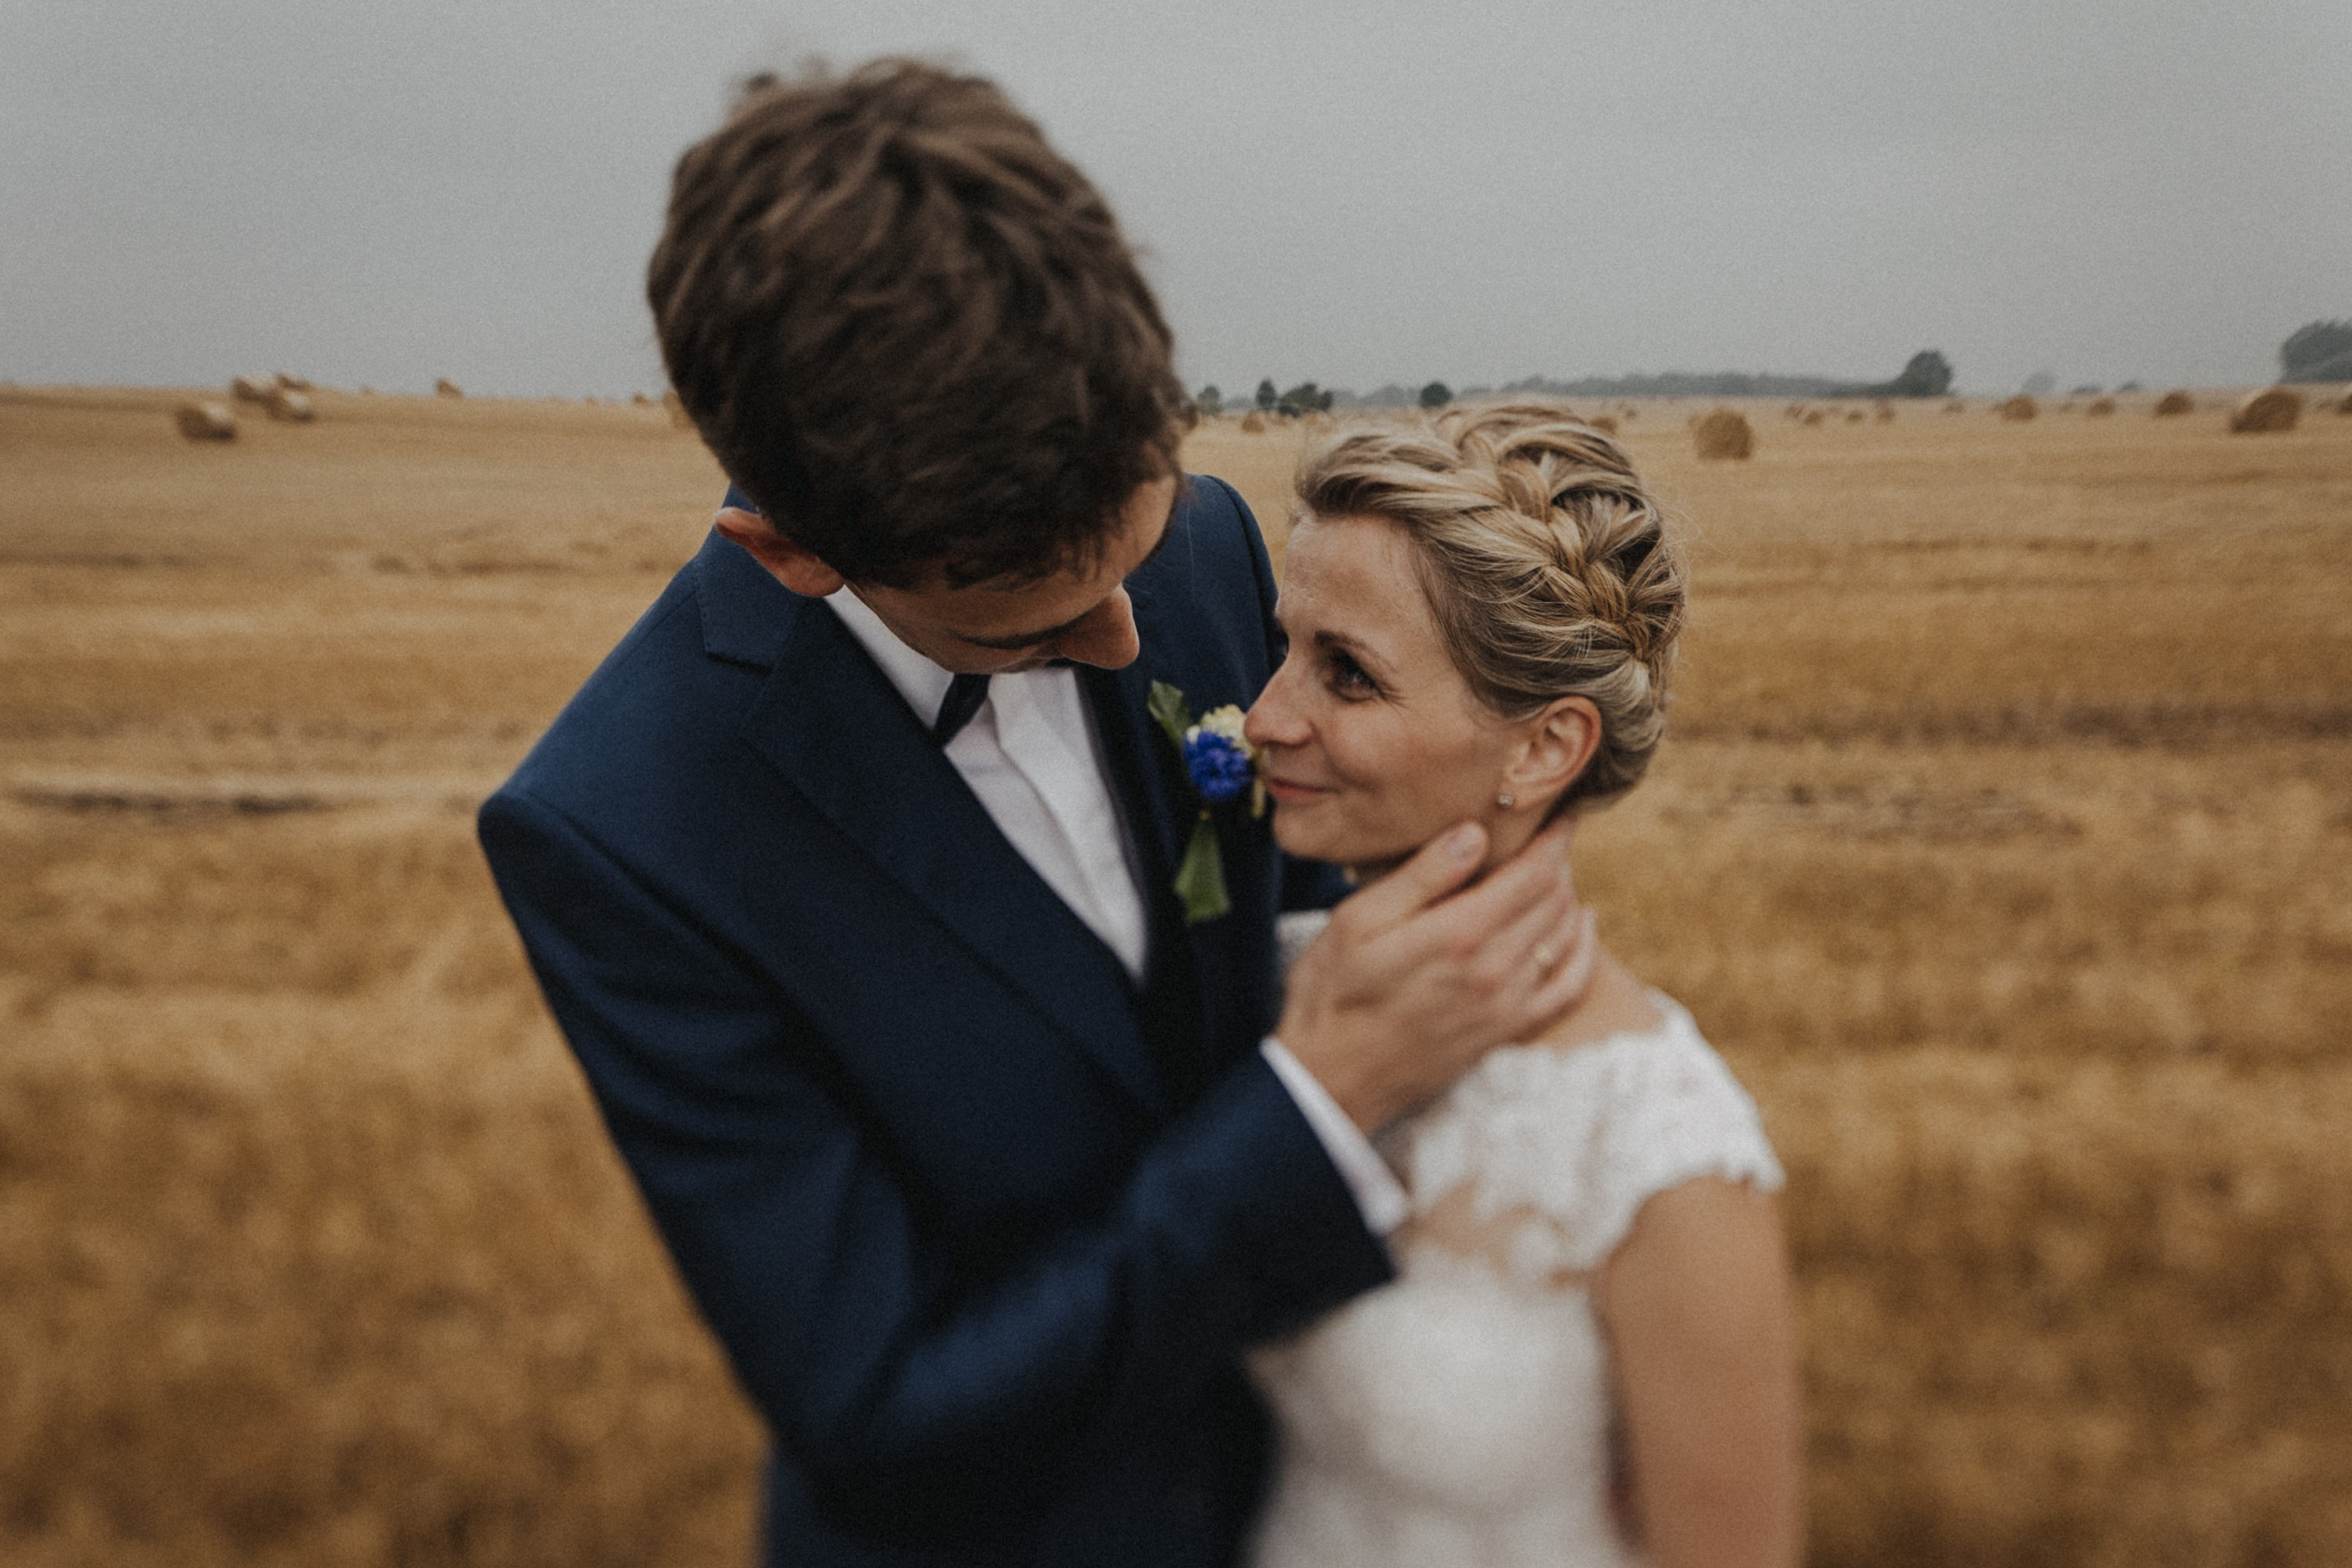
(1614, 1003)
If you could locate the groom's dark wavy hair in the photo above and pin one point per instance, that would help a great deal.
(911, 331)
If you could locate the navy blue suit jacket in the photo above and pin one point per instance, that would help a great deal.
(980, 1260)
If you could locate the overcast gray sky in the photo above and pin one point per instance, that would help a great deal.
(381, 192)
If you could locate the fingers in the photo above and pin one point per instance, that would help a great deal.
(1539, 964)
(1547, 957)
(1534, 876)
(1564, 986)
(1509, 960)
(1442, 864)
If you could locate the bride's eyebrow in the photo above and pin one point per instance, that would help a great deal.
(1340, 642)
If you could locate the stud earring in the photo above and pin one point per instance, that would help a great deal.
(1507, 800)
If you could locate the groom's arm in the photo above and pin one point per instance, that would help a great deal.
(919, 1401)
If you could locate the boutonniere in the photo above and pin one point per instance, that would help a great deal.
(1223, 767)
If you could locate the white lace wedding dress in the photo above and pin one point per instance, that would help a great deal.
(1461, 1416)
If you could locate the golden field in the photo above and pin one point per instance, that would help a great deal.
(2003, 842)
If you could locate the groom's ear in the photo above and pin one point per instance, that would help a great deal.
(787, 562)
(1556, 748)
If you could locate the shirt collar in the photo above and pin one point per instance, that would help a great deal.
(922, 683)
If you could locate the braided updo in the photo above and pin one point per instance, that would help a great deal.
(1546, 562)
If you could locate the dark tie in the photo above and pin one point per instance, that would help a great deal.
(965, 694)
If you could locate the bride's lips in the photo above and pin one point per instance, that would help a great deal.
(1289, 794)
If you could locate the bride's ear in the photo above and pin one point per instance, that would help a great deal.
(1554, 749)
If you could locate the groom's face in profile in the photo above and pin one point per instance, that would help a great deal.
(992, 628)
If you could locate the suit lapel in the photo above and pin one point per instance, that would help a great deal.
(836, 730)
(1230, 962)
(1161, 807)
(1146, 791)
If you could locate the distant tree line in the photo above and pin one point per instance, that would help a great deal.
(1927, 375)
(1671, 384)
(1308, 398)
(2319, 351)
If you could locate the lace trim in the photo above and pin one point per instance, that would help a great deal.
(1579, 1138)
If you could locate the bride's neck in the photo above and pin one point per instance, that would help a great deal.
(1506, 837)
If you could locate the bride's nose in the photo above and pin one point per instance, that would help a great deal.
(1276, 719)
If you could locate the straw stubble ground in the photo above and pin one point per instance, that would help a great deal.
(2004, 842)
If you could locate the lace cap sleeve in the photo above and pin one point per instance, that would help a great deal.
(1580, 1137)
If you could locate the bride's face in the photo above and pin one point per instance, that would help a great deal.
(1373, 742)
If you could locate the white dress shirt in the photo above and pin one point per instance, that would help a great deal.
(1032, 758)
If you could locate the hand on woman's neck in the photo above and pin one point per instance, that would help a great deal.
(1616, 1002)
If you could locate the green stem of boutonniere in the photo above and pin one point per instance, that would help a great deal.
(1201, 879)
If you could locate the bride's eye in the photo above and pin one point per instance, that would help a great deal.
(1350, 682)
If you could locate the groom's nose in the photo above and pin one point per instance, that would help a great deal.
(1106, 638)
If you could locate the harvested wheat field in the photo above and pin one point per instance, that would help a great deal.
(2003, 840)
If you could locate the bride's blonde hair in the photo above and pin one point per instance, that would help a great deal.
(1545, 561)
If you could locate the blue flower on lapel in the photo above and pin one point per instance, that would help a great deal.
(1217, 757)
(1221, 765)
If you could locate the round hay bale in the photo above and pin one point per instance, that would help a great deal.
(444, 387)
(204, 420)
(1629, 412)
(252, 388)
(2173, 403)
(2018, 409)
(289, 405)
(2272, 409)
(2100, 408)
(678, 413)
(1884, 413)
(1812, 416)
(1604, 423)
(1723, 435)
(1793, 411)
(639, 400)
(293, 383)
(1956, 406)
(2344, 404)
(1853, 415)
(1253, 422)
